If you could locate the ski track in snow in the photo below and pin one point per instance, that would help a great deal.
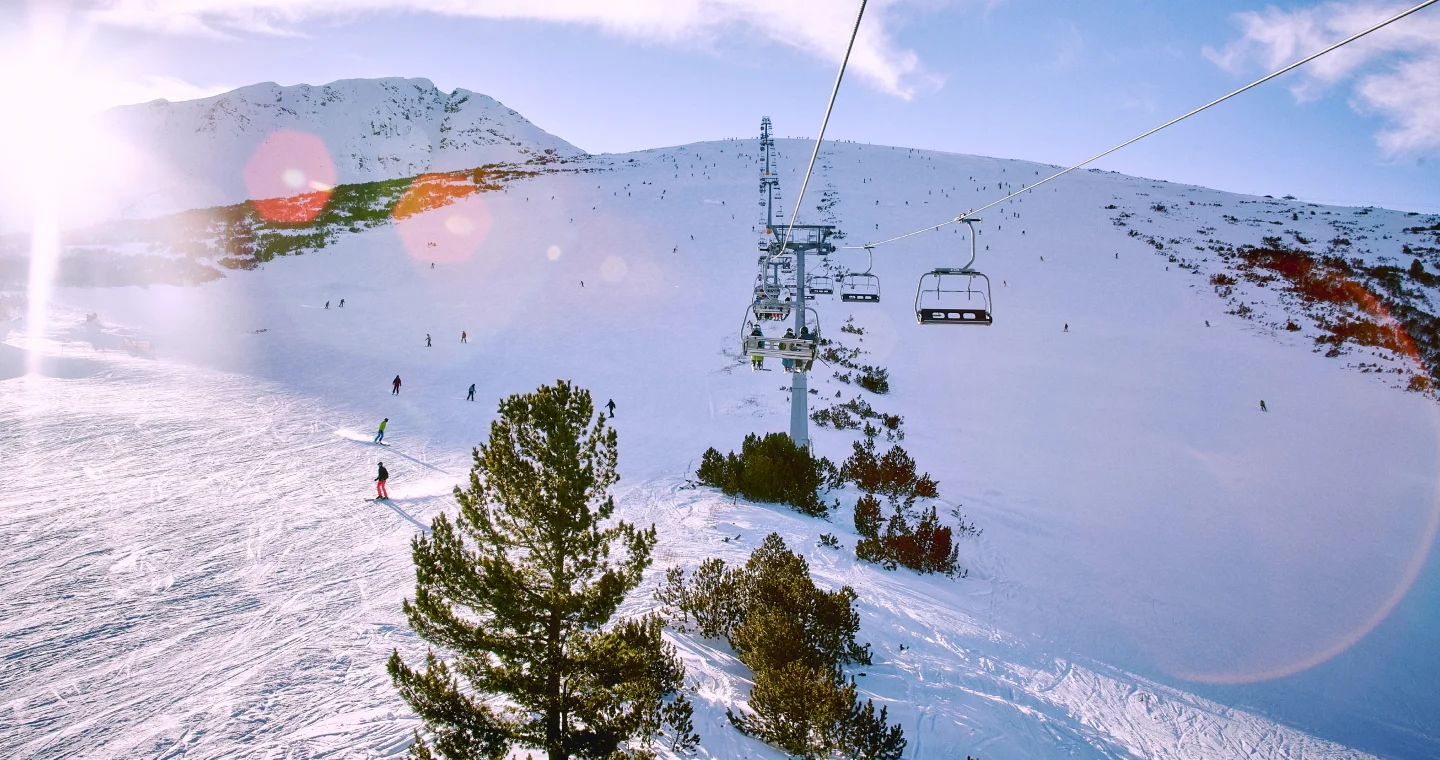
(190, 564)
(201, 578)
(192, 571)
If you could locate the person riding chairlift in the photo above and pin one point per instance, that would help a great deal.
(757, 361)
(803, 364)
(788, 363)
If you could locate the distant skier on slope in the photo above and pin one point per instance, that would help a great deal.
(462, 337)
(342, 303)
(471, 395)
(327, 305)
(1262, 406)
(380, 478)
(380, 434)
(611, 406)
(427, 340)
(396, 384)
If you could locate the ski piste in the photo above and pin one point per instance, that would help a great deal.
(1130, 490)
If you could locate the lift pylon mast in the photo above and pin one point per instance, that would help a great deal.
(769, 176)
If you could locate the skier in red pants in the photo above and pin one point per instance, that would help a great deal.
(380, 479)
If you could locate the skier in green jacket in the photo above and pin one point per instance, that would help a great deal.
(380, 434)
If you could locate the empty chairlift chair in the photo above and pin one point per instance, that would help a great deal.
(822, 285)
(955, 295)
(863, 287)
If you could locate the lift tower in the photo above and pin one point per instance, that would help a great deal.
(769, 177)
(805, 238)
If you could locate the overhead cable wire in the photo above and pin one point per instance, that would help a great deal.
(1176, 120)
(785, 242)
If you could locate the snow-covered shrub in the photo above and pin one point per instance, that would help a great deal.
(874, 379)
(795, 638)
(891, 474)
(926, 547)
(771, 469)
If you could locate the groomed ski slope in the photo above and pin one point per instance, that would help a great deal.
(191, 567)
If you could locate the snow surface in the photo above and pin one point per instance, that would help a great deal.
(191, 566)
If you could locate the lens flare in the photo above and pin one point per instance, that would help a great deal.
(442, 218)
(290, 176)
(614, 269)
(1326, 591)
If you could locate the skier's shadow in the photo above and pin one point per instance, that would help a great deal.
(351, 435)
(422, 526)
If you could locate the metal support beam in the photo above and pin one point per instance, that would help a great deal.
(799, 390)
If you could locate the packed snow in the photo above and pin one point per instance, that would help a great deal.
(192, 564)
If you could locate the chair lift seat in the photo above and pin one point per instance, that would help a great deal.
(954, 317)
(780, 348)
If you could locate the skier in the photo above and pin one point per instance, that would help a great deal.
(1207, 323)
(380, 479)
(427, 340)
(462, 337)
(396, 384)
(471, 395)
(327, 305)
(1067, 327)
(789, 364)
(611, 406)
(380, 434)
(1262, 406)
(342, 303)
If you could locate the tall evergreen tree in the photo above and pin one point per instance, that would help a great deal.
(520, 589)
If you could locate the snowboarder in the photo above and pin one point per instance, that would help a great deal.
(342, 303)
(396, 384)
(611, 406)
(462, 337)
(1207, 323)
(380, 434)
(471, 395)
(327, 305)
(380, 478)
(1262, 406)
(427, 340)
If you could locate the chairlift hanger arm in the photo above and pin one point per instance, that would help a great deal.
(1176, 120)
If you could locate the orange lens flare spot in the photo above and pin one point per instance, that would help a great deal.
(442, 217)
(290, 176)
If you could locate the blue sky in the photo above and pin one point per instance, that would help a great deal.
(1033, 79)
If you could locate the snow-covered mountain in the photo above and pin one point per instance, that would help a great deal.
(191, 567)
(194, 154)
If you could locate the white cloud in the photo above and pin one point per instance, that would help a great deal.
(815, 27)
(1394, 72)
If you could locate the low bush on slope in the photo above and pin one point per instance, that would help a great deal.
(769, 469)
(795, 638)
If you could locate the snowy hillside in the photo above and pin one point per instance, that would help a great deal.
(196, 153)
(1164, 570)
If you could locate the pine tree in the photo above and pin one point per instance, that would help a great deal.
(519, 589)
